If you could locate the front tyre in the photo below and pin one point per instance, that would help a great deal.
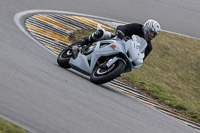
(64, 57)
(102, 75)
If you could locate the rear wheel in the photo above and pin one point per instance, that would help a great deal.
(102, 75)
(64, 57)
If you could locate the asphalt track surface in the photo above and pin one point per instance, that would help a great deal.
(42, 97)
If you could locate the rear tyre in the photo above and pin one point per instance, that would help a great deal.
(64, 57)
(102, 75)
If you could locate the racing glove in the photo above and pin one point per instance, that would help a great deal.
(120, 34)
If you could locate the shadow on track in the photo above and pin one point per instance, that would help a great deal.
(105, 86)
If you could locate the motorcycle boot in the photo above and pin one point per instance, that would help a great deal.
(91, 38)
(84, 43)
(86, 40)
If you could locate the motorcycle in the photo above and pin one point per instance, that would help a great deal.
(107, 59)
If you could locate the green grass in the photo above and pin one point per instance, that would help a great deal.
(170, 73)
(6, 127)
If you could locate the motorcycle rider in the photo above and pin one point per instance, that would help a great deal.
(149, 30)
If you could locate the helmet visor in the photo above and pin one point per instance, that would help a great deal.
(152, 34)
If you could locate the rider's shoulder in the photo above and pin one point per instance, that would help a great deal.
(135, 25)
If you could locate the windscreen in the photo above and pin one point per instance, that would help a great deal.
(141, 43)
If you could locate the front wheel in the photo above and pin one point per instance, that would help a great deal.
(102, 75)
(64, 57)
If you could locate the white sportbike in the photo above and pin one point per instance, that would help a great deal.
(107, 59)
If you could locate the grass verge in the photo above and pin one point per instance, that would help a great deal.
(7, 127)
(170, 74)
